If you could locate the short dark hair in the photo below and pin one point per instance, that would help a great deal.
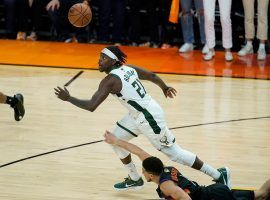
(119, 54)
(153, 165)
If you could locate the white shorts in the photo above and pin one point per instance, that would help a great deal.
(150, 123)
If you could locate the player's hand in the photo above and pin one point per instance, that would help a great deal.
(62, 94)
(110, 138)
(86, 2)
(52, 5)
(170, 92)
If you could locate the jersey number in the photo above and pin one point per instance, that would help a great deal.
(139, 88)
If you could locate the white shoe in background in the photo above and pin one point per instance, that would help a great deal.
(209, 55)
(32, 36)
(228, 56)
(187, 47)
(261, 54)
(247, 49)
(205, 49)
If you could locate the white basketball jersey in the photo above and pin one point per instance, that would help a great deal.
(133, 95)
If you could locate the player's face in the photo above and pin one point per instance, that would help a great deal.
(105, 62)
(146, 175)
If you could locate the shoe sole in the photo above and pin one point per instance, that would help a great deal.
(129, 188)
(19, 110)
(208, 59)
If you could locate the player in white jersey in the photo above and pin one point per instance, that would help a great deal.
(145, 116)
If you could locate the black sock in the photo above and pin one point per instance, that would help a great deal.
(11, 101)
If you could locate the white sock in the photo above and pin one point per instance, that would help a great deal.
(249, 43)
(262, 46)
(207, 169)
(132, 171)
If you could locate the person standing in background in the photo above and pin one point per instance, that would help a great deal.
(187, 25)
(116, 8)
(16, 18)
(262, 27)
(225, 18)
(150, 21)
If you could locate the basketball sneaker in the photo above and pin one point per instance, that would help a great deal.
(128, 183)
(18, 107)
(224, 176)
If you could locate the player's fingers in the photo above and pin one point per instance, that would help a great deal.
(174, 93)
(66, 89)
(56, 90)
(60, 89)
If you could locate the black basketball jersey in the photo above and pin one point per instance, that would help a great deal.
(196, 192)
(171, 173)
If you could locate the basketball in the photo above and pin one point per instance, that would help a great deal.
(80, 15)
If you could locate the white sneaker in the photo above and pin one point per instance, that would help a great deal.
(247, 49)
(187, 47)
(228, 56)
(261, 54)
(209, 55)
(205, 49)
(32, 36)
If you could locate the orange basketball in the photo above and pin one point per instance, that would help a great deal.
(80, 15)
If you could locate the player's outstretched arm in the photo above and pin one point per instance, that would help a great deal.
(170, 189)
(150, 76)
(105, 87)
(111, 139)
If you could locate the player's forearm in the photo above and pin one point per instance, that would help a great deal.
(158, 81)
(84, 104)
(132, 149)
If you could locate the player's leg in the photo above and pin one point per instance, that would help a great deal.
(185, 157)
(264, 192)
(126, 130)
(3, 98)
(16, 103)
(218, 191)
(157, 132)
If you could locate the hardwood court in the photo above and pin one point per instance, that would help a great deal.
(89, 172)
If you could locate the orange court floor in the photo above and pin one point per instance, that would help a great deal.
(85, 56)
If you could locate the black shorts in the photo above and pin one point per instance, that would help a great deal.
(243, 194)
(213, 192)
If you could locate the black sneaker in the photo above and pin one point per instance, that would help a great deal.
(18, 107)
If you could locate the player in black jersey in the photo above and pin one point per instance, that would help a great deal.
(172, 185)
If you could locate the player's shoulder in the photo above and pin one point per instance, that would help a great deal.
(110, 80)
